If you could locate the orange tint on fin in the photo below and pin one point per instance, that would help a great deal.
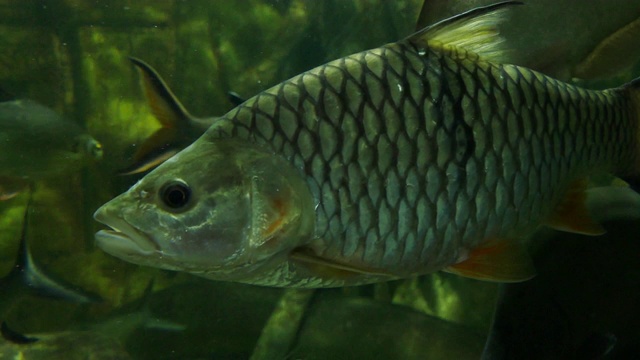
(329, 268)
(497, 260)
(572, 215)
(280, 206)
(164, 104)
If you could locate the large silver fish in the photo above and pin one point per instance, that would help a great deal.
(425, 154)
(36, 143)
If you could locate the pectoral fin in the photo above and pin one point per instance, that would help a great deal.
(331, 268)
(502, 260)
(572, 215)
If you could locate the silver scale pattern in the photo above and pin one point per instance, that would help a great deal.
(414, 155)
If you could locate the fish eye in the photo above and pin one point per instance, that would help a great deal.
(175, 194)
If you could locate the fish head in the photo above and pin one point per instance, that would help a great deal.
(221, 208)
(87, 147)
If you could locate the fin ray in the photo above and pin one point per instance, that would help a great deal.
(572, 214)
(165, 106)
(474, 31)
(502, 260)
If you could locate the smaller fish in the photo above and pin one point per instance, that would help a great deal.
(179, 127)
(27, 278)
(101, 340)
(616, 53)
(557, 42)
(36, 143)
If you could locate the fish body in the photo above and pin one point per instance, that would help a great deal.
(36, 143)
(425, 154)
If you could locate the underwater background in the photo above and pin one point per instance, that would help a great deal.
(72, 56)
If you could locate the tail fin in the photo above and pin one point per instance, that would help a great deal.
(27, 277)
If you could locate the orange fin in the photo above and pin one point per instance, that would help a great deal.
(572, 214)
(497, 260)
(331, 268)
(164, 104)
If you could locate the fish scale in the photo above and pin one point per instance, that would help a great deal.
(429, 142)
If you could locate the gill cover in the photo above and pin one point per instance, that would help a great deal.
(221, 208)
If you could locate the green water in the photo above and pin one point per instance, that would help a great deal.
(72, 56)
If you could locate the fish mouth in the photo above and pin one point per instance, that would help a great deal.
(123, 238)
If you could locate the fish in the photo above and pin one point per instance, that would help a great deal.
(104, 339)
(430, 153)
(568, 40)
(178, 127)
(28, 278)
(37, 143)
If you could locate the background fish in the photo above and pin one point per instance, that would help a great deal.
(426, 154)
(179, 128)
(36, 143)
(597, 41)
(104, 339)
(26, 278)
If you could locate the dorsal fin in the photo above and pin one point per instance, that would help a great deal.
(473, 31)
(164, 104)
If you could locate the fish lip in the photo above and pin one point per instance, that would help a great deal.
(125, 233)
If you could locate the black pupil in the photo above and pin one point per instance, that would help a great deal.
(176, 195)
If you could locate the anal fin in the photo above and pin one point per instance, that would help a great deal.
(572, 214)
(501, 260)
